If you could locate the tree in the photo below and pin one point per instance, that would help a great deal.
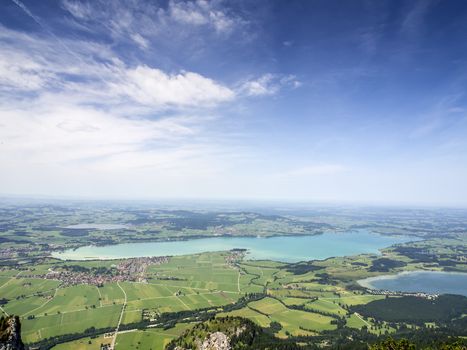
(391, 344)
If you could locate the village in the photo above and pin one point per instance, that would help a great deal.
(126, 270)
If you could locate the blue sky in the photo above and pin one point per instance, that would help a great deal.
(347, 101)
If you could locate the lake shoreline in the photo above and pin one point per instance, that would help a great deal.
(278, 248)
(422, 281)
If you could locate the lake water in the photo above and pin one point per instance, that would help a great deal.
(282, 248)
(432, 282)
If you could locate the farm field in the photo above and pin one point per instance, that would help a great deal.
(301, 299)
(86, 343)
(150, 339)
(294, 322)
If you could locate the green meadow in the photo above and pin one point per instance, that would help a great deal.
(302, 302)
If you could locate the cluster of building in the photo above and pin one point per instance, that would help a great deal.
(402, 294)
(127, 270)
(15, 252)
(136, 267)
(234, 256)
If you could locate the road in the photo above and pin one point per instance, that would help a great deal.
(360, 317)
(114, 339)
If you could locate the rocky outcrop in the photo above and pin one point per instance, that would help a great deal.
(10, 334)
(229, 333)
(216, 341)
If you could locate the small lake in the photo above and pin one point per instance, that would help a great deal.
(281, 248)
(432, 282)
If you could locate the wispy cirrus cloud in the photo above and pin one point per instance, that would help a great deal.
(142, 21)
(269, 84)
(89, 109)
(81, 107)
(55, 70)
(413, 20)
(202, 12)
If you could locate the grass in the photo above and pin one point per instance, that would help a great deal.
(110, 293)
(356, 322)
(295, 322)
(200, 271)
(149, 339)
(253, 315)
(71, 299)
(353, 299)
(70, 322)
(23, 287)
(84, 344)
(327, 306)
(186, 283)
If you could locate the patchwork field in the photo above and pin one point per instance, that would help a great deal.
(307, 306)
(295, 322)
(301, 300)
(150, 339)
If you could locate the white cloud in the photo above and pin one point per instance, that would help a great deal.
(189, 12)
(21, 73)
(104, 81)
(82, 110)
(79, 9)
(153, 87)
(75, 117)
(140, 40)
(203, 12)
(59, 133)
(142, 21)
(269, 84)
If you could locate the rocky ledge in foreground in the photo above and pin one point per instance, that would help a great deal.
(228, 333)
(10, 333)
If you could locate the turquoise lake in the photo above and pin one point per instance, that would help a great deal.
(432, 282)
(281, 248)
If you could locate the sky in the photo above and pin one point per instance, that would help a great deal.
(320, 100)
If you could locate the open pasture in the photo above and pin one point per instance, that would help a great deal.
(328, 306)
(70, 299)
(253, 315)
(110, 293)
(295, 322)
(69, 322)
(23, 287)
(84, 344)
(201, 271)
(184, 283)
(150, 339)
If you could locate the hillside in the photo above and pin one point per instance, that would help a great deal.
(229, 333)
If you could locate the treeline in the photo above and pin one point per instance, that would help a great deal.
(404, 344)
(49, 343)
(385, 264)
(423, 255)
(302, 267)
(414, 309)
(257, 338)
